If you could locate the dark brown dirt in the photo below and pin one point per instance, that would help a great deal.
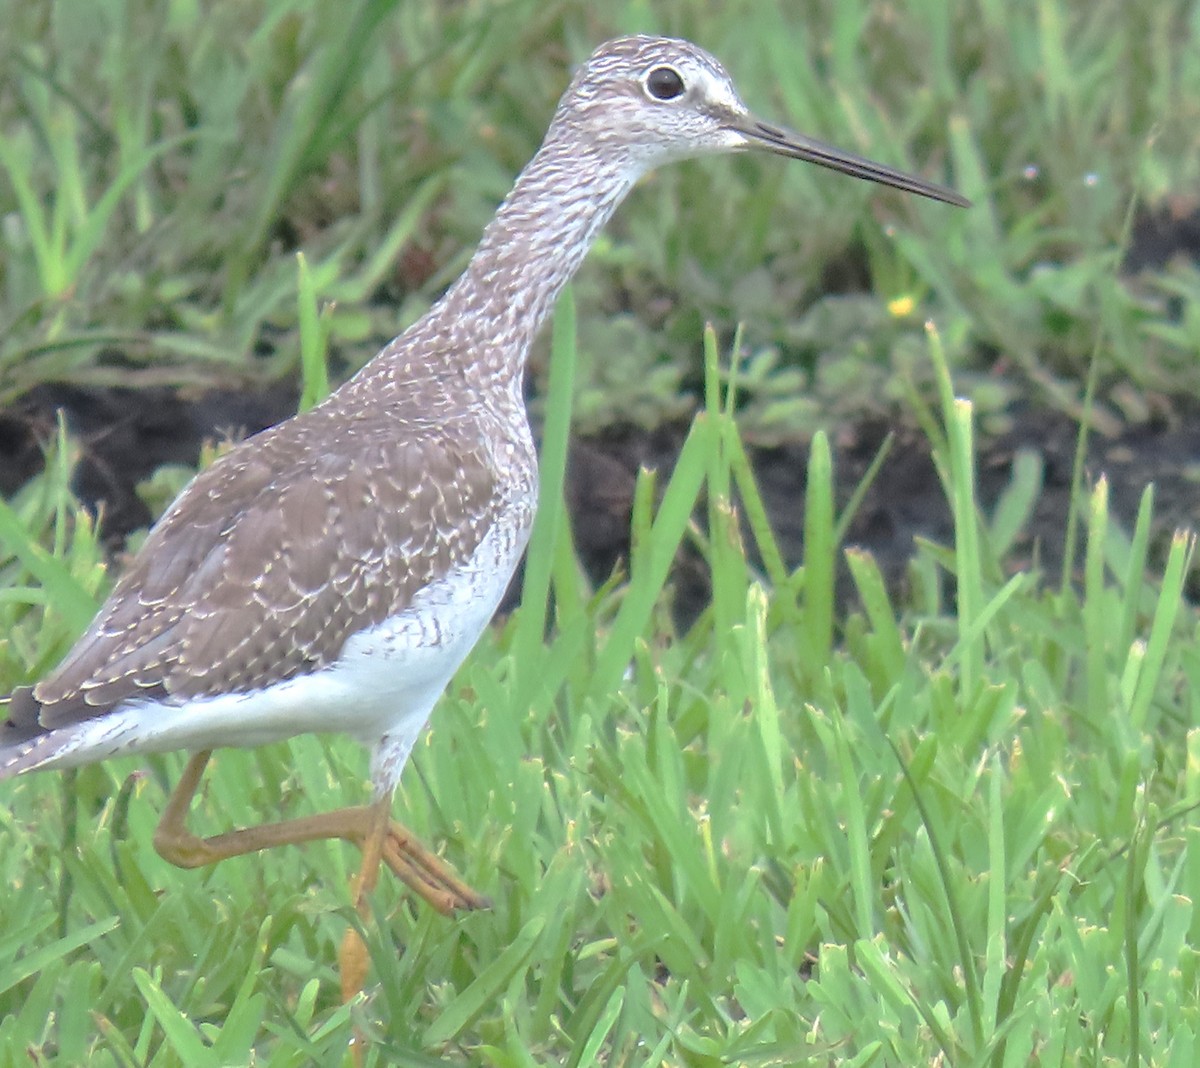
(906, 500)
(125, 435)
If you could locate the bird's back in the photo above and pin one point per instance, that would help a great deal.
(318, 529)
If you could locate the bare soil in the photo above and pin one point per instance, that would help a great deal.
(125, 435)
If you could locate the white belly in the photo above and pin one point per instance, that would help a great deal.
(380, 690)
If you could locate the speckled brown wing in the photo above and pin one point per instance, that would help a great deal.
(272, 558)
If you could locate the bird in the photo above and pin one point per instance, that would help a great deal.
(332, 572)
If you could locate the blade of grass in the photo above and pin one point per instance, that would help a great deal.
(1096, 609)
(1165, 612)
(314, 338)
(949, 889)
(475, 998)
(819, 556)
(551, 517)
(651, 561)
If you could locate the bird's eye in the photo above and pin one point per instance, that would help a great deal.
(664, 83)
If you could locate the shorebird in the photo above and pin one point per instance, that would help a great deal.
(332, 572)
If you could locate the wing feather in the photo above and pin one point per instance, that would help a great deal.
(272, 558)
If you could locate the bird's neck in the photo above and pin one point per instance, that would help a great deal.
(476, 339)
(538, 238)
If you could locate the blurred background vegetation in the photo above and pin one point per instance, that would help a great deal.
(162, 163)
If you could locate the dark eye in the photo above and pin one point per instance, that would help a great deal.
(664, 83)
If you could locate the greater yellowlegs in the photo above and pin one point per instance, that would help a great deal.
(331, 573)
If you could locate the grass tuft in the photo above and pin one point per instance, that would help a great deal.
(947, 824)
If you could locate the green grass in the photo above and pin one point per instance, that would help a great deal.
(157, 176)
(953, 830)
(957, 836)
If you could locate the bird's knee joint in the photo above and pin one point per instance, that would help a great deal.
(183, 850)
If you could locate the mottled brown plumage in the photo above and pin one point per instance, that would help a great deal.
(274, 557)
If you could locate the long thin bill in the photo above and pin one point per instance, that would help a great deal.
(797, 146)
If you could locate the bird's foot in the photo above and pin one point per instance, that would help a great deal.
(427, 875)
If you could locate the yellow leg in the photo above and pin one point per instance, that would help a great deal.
(370, 827)
(398, 848)
(352, 957)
